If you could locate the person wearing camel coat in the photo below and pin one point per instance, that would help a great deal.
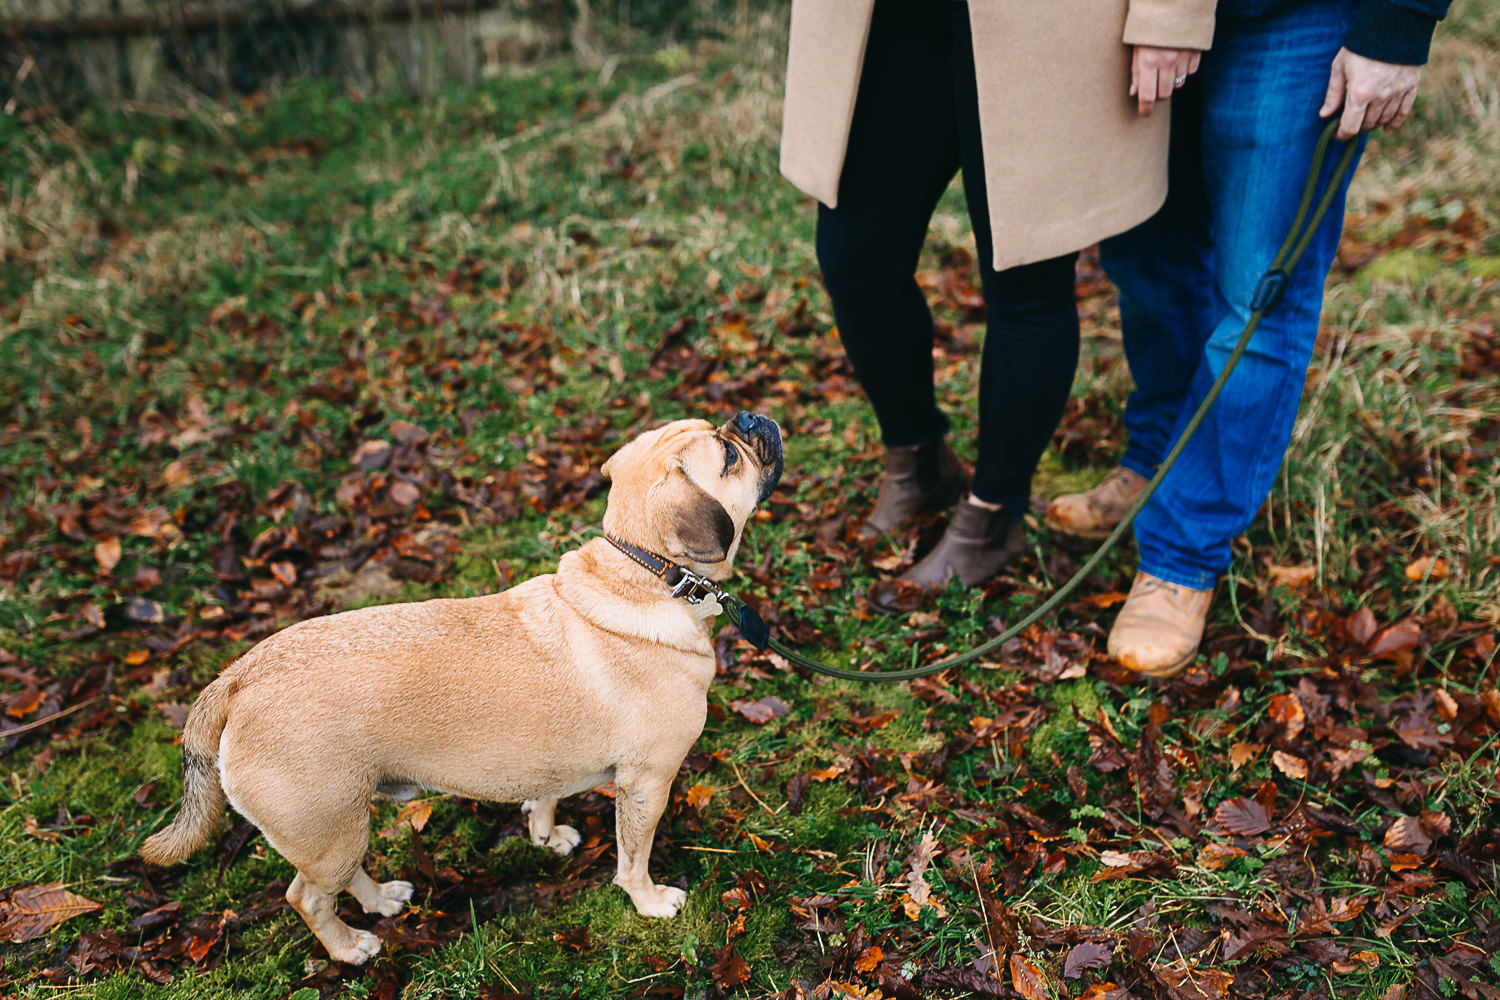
(1068, 159)
(1045, 108)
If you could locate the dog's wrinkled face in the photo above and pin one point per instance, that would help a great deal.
(685, 490)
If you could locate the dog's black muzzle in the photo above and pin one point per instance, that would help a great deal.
(764, 436)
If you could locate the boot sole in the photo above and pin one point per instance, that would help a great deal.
(1092, 536)
(1167, 672)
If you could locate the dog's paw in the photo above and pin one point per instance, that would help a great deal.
(563, 839)
(659, 901)
(361, 947)
(394, 896)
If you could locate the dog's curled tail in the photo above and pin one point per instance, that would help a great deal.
(202, 796)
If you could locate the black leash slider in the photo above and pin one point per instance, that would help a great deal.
(752, 626)
(1269, 291)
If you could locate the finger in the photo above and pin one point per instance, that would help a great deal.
(1184, 68)
(1135, 72)
(1407, 100)
(1373, 112)
(1194, 63)
(1353, 118)
(1146, 93)
(1334, 96)
(1166, 82)
(1389, 110)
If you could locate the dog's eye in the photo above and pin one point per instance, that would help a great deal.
(731, 456)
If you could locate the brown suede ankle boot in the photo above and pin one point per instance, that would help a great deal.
(1095, 513)
(977, 545)
(1158, 629)
(918, 478)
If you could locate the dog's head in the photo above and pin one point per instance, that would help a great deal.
(685, 490)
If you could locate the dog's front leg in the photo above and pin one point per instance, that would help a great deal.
(639, 801)
(544, 831)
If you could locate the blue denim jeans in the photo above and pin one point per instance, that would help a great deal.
(1243, 133)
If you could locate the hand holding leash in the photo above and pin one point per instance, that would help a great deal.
(1374, 94)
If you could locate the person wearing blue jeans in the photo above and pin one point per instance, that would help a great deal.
(1243, 134)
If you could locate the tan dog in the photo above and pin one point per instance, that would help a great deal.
(564, 682)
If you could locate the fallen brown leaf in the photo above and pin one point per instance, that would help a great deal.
(576, 938)
(729, 969)
(1241, 754)
(1290, 765)
(1027, 978)
(1292, 576)
(25, 701)
(1106, 600)
(1357, 961)
(1427, 567)
(33, 910)
(1084, 956)
(1406, 836)
(1400, 637)
(699, 796)
(762, 710)
(1346, 908)
(107, 553)
(1361, 626)
(1286, 710)
(413, 816)
(1206, 983)
(1245, 817)
(1214, 856)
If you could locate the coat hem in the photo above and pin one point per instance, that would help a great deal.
(1113, 219)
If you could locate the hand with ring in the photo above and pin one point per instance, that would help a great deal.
(1155, 73)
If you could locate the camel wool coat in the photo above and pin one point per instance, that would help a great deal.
(1067, 158)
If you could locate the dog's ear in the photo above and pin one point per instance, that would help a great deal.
(604, 469)
(693, 524)
(628, 451)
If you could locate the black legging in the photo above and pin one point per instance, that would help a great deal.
(916, 122)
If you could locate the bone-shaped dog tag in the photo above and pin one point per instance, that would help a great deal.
(753, 627)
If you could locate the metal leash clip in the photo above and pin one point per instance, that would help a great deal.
(694, 588)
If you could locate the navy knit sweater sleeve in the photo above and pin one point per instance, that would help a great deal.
(1395, 31)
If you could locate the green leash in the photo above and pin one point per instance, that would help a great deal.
(1267, 297)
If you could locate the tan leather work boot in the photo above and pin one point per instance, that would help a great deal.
(1094, 514)
(1159, 627)
(918, 478)
(979, 542)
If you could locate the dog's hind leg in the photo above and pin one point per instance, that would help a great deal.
(546, 833)
(639, 803)
(384, 898)
(318, 907)
(325, 839)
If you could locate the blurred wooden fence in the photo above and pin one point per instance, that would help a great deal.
(65, 52)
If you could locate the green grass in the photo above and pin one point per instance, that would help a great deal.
(203, 320)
